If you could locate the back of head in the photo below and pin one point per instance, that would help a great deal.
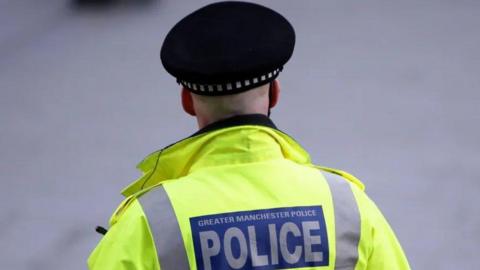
(254, 101)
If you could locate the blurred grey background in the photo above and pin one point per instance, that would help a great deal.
(387, 90)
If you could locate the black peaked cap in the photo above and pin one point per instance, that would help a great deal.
(228, 47)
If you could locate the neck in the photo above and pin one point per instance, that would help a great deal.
(238, 120)
(203, 121)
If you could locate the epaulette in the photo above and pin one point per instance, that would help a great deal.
(343, 174)
(126, 203)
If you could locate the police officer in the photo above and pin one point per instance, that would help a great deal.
(239, 193)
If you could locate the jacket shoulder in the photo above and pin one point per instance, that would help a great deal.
(127, 202)
(347, 176)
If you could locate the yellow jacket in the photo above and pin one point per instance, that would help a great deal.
(242, 195)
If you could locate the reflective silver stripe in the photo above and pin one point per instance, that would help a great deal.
(347, 222)
(165, 229)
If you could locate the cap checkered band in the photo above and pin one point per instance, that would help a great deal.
(230, 87)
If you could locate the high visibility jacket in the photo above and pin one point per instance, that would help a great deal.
(240, 194)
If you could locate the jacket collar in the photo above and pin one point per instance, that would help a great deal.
(178, 159)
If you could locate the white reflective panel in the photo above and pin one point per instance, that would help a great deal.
(165, 229)
(347, 222)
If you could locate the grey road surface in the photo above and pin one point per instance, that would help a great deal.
(387, 90)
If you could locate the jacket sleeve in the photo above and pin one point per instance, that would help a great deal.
(379, 248)
(127, 245)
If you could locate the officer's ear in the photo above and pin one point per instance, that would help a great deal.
(274, 93)
(187, 102)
